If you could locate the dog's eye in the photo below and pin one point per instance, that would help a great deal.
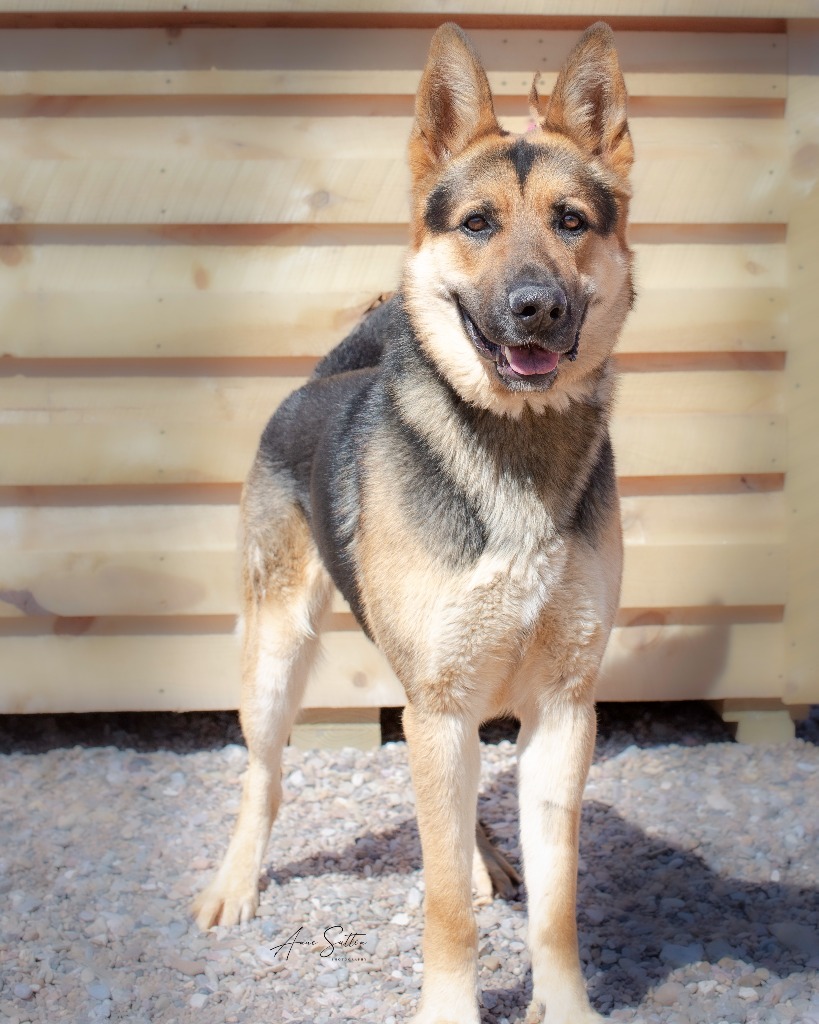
(475, 222)
(571, 221)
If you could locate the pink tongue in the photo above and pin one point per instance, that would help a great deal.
(527, 361)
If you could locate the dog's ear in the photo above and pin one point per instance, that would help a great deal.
(589, 101)
(453, 106)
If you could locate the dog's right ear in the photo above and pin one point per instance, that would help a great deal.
(453, 106)
(588, 102)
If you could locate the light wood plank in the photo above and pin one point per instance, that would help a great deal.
(163, 430)
(181, 559)
(728, 392)
(701, 519)
(352, 170)
(99, 324)
(672, 445)
(748, 519)
(366, 61)
(200, 672)
(197, 582)
(182, 582)
(141, 452)
(108, 529)
(693, 662)
(195, 672)
(60, 400)
(291, 265)
(172, 399)
(253, 169)
(266, 137)
(705, 320)
(693, 576)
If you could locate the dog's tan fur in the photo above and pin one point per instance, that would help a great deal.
(520, 626)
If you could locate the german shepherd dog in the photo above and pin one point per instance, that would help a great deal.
(448, 467)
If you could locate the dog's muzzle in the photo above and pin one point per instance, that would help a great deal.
(529, 365)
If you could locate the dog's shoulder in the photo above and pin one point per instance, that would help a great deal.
(337, 391)
(364, 345)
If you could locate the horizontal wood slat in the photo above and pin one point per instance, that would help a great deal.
(297, 267)
(751, 519)
(200, 672)
(210, 401)
(351, 170)
(201, 582)
(88, 325)
(187, 430)
(286, 61)
(181, 560)
(140, 452)
(120, 135)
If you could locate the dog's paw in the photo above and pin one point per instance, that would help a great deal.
(537, 1013)
(491, 872)
(448, 1010)
(224, 904)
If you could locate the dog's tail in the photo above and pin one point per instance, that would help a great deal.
(364, 345)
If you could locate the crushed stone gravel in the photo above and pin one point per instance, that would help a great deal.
(698, 897)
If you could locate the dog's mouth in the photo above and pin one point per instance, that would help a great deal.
(524, 365)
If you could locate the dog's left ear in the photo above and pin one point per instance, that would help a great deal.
(589, 101)
(453, 106)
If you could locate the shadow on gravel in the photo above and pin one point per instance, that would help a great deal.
(642, 724)
(143, 731)
(659, 907)
(663, 907)
(649, 724)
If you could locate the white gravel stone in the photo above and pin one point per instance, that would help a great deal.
(690, 909)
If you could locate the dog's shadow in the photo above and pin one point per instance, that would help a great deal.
(661, 906)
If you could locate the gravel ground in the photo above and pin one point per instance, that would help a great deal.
(698, 900)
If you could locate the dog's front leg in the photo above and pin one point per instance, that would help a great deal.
(555, 746)
(445, 761)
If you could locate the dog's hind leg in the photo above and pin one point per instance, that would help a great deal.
(286, 589)
(491, 871)
(556, 744)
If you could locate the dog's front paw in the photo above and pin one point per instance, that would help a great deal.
(222, 903)
(537, 1013)
(448, 1011)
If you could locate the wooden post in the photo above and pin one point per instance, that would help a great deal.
(333, 728)
(802, 368)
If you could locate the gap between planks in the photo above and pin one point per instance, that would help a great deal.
(300, 367)
(215, 493)
(232, 17)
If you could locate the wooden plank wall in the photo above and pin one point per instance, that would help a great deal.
(193, 212)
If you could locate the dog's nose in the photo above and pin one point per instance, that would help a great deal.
(538, 306)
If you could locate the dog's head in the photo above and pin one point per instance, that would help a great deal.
(518, 277)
